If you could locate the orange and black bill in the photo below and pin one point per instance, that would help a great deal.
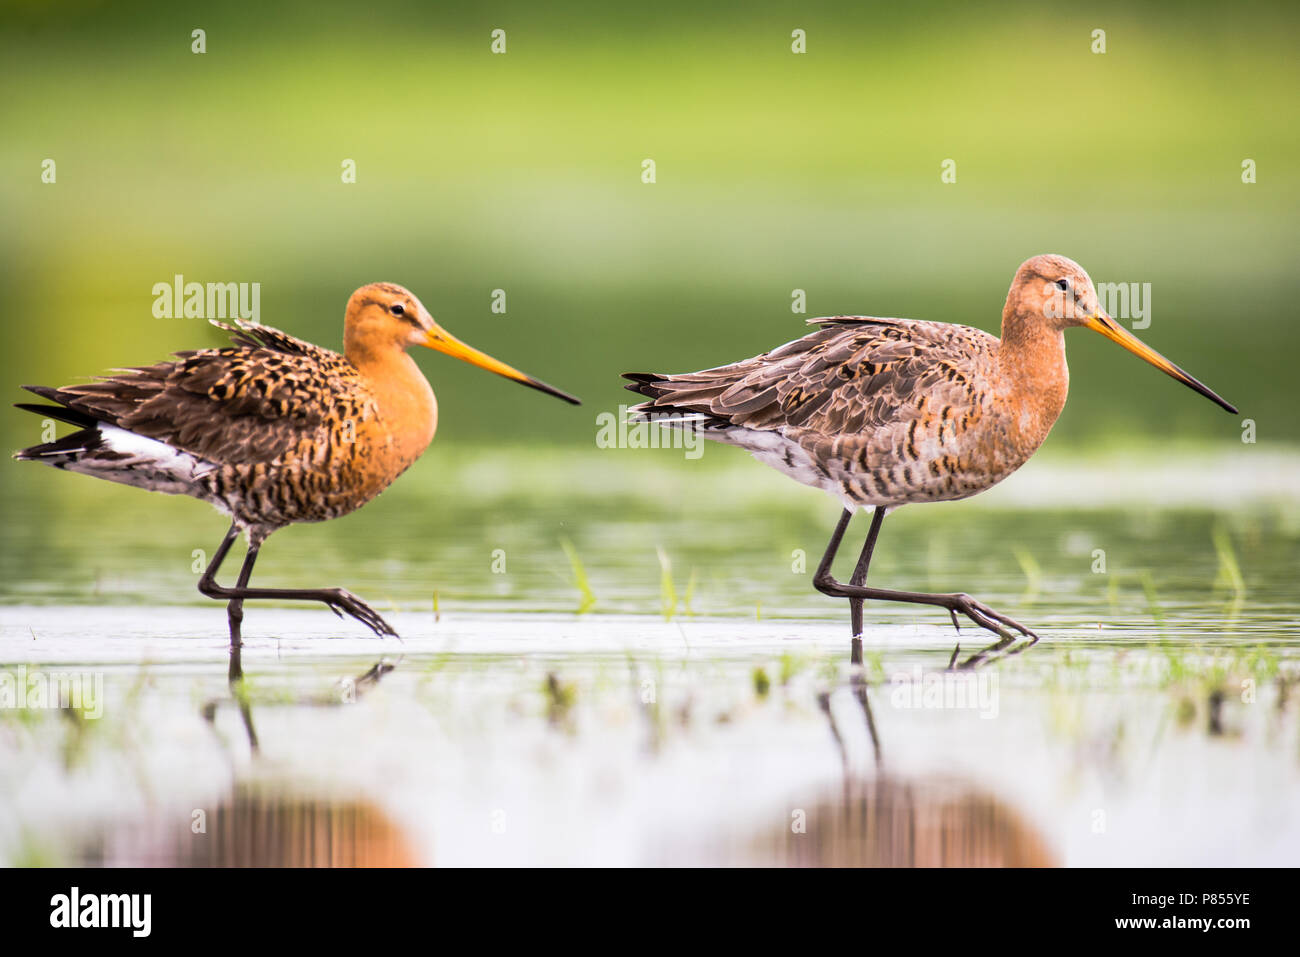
(1112, 330)
(443, 341)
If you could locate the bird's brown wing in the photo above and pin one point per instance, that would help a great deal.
(245, 403)
(855, 374)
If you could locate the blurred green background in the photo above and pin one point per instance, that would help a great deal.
(775, 171)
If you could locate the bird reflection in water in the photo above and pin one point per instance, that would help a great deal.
(878, 818)
(265, 824)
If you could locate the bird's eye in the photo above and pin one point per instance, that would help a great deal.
(397, 309)
(1062, 284)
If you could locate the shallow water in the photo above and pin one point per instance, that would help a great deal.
(1157, 721)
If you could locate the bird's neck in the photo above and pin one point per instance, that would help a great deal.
(1033, 376)
(408, 410)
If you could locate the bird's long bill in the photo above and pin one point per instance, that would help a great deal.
(1112, 330)
(443, 341)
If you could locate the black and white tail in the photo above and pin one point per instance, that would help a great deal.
(104, 450)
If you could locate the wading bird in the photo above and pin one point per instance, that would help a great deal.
(272, 430)
(888, 412)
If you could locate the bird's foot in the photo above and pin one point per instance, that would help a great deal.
(984, 616)
(975, 610)
(342, 601)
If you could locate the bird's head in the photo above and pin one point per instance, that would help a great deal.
(1056, 293)
(384, 316)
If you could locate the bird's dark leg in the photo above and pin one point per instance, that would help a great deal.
(824, 568)
(209, 582)
(976, 611)
(860, 577)
(338, 600)
(823, 573)
(235, 610)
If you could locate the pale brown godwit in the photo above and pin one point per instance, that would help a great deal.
(887, 412)
(272, 430)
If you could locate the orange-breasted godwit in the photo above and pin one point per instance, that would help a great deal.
(272, 430)
(888, 412)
